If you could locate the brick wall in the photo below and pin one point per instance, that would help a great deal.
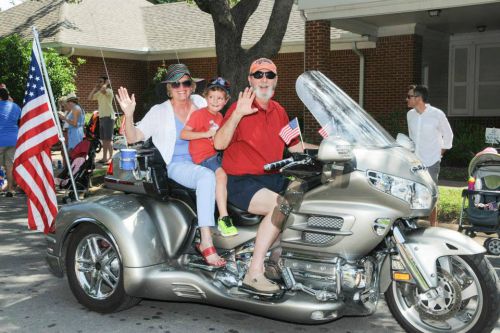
(131, 74)
(317, 57)
(389, 69)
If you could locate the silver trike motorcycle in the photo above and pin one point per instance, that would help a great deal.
(349, 235)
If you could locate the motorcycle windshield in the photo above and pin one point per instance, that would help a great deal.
(338, 114)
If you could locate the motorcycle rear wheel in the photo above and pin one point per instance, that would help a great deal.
(470, 302)
(95, 271)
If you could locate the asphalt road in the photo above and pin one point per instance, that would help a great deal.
(33, 300)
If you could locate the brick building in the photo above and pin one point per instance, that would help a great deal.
(373, 52)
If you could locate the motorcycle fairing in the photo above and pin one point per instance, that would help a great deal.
(427, 245)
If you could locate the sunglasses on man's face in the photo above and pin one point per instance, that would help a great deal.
(259, 75)
(185, 84)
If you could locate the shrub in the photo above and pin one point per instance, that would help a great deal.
(15, 55)
(467, 141)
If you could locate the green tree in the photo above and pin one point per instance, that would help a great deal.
(15, 55)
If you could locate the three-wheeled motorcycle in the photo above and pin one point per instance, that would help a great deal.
(349, 236)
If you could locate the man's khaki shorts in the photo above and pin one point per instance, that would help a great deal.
(7, 156)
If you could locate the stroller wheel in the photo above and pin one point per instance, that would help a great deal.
(470, 233)
(67, 200)
(492, 245)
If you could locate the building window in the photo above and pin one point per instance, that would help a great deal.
(474, 81)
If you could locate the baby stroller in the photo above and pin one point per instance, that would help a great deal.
(92, 131)
(82, 165)
(480, 204)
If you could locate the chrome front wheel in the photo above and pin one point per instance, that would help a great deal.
(465, 300)
(95, 272)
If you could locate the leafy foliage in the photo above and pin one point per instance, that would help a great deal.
(15, 55)
(468, 139)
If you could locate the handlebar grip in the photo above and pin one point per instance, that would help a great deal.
(278, 164)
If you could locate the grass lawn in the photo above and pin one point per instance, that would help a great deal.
(449, 204)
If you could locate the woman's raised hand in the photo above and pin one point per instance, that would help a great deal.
(127, 103)
(245, 100)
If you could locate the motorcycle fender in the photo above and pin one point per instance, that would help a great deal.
(146, 231)
(426, 245)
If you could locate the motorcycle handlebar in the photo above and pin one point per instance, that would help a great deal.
(278, 164)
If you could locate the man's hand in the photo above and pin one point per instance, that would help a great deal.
(245, 100)
(127, 103)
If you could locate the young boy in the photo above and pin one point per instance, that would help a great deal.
(200, 130)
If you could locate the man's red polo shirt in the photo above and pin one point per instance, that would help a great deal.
(256, 140)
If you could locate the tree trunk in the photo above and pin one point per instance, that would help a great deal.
(232, 60)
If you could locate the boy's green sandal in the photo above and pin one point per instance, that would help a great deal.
(226, 227)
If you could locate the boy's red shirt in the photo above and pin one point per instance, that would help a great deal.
(200, 121)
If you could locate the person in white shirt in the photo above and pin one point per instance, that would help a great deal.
(429, 128)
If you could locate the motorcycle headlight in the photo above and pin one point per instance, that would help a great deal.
(416, 194)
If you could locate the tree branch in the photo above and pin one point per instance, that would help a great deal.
(242, 12)
(270, 42)
(220, 11)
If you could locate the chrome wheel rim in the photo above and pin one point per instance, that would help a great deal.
(458, 306)
(494, 246)
(97, 266)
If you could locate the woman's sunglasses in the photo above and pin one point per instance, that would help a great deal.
(185, 84)
(259, 75)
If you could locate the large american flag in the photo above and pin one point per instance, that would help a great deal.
(32, 162)
(290, 131)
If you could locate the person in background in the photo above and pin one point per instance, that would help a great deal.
(200, 130)
(75, 119)
(164, 123)
(103, 94)
(429, 128)
(2, 85)
(250, 136)
(10, 113)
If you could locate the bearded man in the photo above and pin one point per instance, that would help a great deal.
(250, 137)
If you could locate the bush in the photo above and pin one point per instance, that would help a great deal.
(15, 56)
(467, 141)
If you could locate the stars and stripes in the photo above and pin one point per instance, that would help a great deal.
(325, 130)
(32, 162)
(290, 131)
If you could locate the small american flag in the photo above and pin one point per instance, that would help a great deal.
(290, 131)
(32, 161)
(325, 130)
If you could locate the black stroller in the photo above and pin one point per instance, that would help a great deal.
(82, 165)
(480, 205)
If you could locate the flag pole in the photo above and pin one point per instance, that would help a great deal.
(54, 116)
(300, 134)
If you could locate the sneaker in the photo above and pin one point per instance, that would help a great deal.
(226, 227)
(260, 284)
(9, 194)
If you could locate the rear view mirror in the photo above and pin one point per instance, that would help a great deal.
(405, 142)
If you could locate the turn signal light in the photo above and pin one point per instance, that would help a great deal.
(398, 276)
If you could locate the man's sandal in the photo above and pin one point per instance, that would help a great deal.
(208, 252)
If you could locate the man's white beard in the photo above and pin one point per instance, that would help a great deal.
(264, 95)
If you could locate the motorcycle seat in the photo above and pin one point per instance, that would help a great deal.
(239, 216)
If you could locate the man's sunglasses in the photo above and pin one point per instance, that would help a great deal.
(185, 84)
(259, 75)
